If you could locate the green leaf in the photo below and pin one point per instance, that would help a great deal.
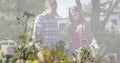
(22, 36)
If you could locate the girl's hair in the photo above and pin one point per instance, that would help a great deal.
(74, 8)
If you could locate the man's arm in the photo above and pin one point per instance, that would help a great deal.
(37, 30)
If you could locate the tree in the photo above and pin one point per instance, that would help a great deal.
(96, 24)
(8, 17)
(95, 18)
(13, 10)
(111, 41)
(112, 6)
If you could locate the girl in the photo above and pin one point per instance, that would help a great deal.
(79, 31)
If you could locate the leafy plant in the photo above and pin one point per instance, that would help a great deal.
(25, 51)
(83, 52)
(56, 54)
(82, 55)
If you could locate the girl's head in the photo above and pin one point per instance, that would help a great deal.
(74, 14)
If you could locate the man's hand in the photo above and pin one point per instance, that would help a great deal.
(79, 28)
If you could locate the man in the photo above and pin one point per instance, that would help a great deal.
(46, 25)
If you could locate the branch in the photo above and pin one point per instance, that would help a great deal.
(110, 5)
(105, 3)
(78, 3)
(109, 13)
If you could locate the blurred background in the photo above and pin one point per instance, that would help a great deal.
(104, 15)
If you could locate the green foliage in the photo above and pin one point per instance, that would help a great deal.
(83, 52)
(52, 54)
(12, 9)
(25, 51)
(28, 14)
(7, 19)
(55, 54)
(64, 32)
(23, 37)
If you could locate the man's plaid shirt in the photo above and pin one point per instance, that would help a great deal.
(46, 28)
(85, 35)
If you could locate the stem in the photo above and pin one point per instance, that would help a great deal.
(25, 24)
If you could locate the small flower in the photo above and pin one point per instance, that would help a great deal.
(30, 44)
(74, 59)
(37, 45)
(40, 56)
(19, 47)
(94, 44)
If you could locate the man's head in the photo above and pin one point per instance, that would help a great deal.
(51, 6)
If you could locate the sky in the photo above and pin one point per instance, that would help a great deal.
(63, 6)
